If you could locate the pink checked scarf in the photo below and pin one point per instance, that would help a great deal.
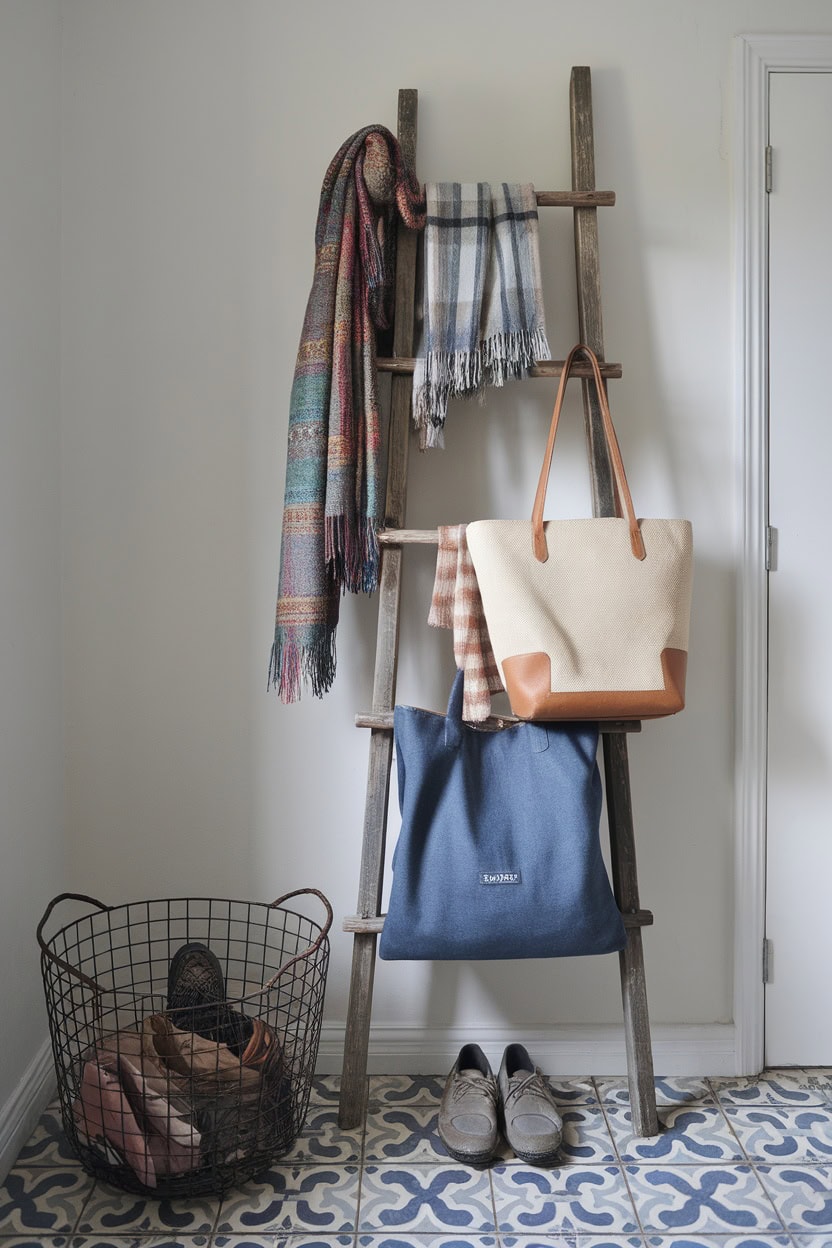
(456, 604)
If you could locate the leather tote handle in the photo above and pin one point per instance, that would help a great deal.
(622, 490)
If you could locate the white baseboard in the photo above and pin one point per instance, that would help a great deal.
(20, 1114)
(678, 1049)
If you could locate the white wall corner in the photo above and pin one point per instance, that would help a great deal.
(566, 1051)
(20, 1114)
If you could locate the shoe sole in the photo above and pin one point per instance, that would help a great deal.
(538, 1159)
(471, 1159)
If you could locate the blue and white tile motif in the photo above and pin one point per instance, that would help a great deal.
(573, 1091)
(406, 1089)
(46, 1201)
(802, 1195)
(425, 1241)
(777, 1134)
(325, 1090)
(294, 1198)
(586, 1138)
(48, 1145)
(408, 1134)
(676, 1090)
(777, 1087)
(738, 1164)
(113, 1212)
(695, 1134)
(323, 1142)
(572, 1240)
(277, 1241)
(718, 1241)
(580, 1198)
(709, 1199)
(425, 1199)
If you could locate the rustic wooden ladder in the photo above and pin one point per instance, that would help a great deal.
(584, 200)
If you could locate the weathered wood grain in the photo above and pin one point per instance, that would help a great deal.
(352, 1106)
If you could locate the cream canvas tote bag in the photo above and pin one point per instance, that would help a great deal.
(588, 618)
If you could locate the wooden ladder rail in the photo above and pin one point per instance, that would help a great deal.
(616, 765)
(367, 924)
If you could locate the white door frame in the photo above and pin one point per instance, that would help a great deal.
(756, 58)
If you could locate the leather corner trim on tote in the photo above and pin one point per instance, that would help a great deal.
(528, 680)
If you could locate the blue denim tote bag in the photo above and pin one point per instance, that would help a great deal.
(499, 854)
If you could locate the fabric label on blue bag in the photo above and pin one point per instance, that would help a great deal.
(500, 877)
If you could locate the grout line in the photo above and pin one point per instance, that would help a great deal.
(622, 1167)
(76, 1224)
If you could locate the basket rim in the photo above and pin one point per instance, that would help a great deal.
(321, 942)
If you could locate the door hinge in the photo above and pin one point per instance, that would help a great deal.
(768, 169)
(771, 548)
(768, 961)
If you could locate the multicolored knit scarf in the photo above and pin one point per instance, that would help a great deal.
(334, 490)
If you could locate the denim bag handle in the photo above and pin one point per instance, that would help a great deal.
(538, 737)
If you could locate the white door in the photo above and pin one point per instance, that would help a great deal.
(798, 1023)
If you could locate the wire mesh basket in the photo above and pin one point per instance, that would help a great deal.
(185, 1033)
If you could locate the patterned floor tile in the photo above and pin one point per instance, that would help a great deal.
(320, 1199)
(697, 1134)
(112, 1212)
(586, 1138)
(282, 1241)
(425, 1199)
(812, 1241)
(143, 1241)
(406, 1134)
(46, 1201)
(562, 1201)
(325, 1090)
(718, 1241)
(776, 1087)
(572, 1091)
(777, 1134)
(406, 1089)
(29, 1241)
(714, 1200)
(323, 1142)
(427, 1241)
(48, 1145)
(669, 1091)
(802, 1195)
(572, 1241)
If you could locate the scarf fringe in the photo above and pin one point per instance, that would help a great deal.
(292, 663)
(508, 356)
(351, 553)
(465, 374)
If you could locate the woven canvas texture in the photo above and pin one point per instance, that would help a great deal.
(603, 616)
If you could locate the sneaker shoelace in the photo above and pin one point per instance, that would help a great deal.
(533, 1084)
(478, 1085)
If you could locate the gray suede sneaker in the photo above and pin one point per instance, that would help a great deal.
(468, 1113)
(531, 1122)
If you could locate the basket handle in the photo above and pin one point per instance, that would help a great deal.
(53, 957)
(316, 944)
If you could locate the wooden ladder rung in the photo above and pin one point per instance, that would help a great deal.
(543, 368)
(575, 199)
(382, 721)
(373, 925)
